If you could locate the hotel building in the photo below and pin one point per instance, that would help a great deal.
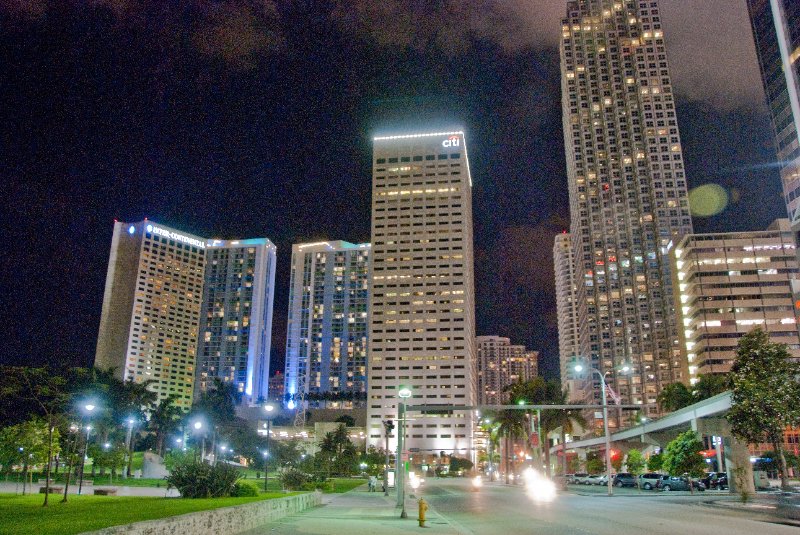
(422, 315)
(326, 340)
(730, 283)
(501, 364)
(627, 192)
(151, 308)
(236, 316)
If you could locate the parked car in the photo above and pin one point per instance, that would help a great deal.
(624, 479)
(602, 480)
(591, 480)
(669, 483)
(579, 478)
(649, 481)
(716, 480)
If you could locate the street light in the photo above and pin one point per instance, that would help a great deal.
(625, 368)
(268, 408)
(129, 446)
(198, 426)
(88, 408)
(400, 480)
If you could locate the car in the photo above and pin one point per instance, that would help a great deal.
(579, 478)
(716, 480)
(625, 479)
(648, 481)
(602, 480)
(591, 480)
(569, 478)
(670, 483)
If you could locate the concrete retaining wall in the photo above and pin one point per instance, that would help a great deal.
(226, 520)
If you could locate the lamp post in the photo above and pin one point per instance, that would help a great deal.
(129, 447)
(400, 476)
(388, 425)
(488, 423)
(579, 368)
(198, 425)
(268, 408)
(88, 408)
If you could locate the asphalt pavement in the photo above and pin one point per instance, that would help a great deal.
(497, 509)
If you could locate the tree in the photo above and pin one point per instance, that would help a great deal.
(594, 464)
(656, 462)
(510, 425)
(674, 396)
(165, 419)
(46, 392)
(347, 420)
(565, 419)
(28, 444)
(765, 394)
(337, 453)
(682, 456)
(635, 463)
(709, 385)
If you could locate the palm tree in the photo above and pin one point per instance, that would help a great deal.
(165, 419)
(510, 425)
(565, 419)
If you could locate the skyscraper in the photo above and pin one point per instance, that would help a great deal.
(776, 30)
(568, 319)
(326, 340)
(627, 191)
(236, 316)
(500, 364)
(151, 308)
(422, 315)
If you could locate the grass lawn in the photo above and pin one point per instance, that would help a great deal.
(343, 484)
(23, 515)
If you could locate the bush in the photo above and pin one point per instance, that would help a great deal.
(201, 480)
(242, 489)
(293, 479)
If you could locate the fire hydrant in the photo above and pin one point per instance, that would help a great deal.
(423, 506)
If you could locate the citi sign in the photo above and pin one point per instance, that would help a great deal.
(452, 141)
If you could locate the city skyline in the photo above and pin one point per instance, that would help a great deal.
(167, 141)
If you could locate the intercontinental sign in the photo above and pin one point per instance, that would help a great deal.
(175, 236)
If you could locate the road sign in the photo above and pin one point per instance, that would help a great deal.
(413, 450)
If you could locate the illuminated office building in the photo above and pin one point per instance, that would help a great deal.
(730, 283)
(422, 316)
(151, 308)
(326, 340)
(236, 316)
(627, 192)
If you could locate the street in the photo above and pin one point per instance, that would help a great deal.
(506, 510)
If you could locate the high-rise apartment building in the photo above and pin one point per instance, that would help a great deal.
(500, 364)
(568, 318)
(236, 316)
(326, 341)
(151, 308)
(728, 284)
(776, 30)
(422, 316)
(627, 191)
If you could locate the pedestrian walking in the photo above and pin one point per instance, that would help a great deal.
(373, 483)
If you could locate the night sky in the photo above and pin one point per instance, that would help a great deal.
(239, 119)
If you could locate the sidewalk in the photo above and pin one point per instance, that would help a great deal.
(357, 512)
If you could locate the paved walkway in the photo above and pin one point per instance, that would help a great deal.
(357, 512)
